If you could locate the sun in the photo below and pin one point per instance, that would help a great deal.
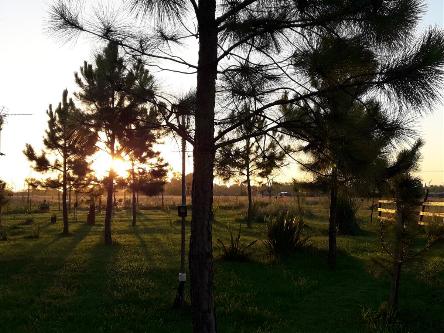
(102, 162)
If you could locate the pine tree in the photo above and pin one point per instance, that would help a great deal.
(138, 146)
(254, 157)
(67, 145)
(5, 195)
(114, 97)
(347, 130)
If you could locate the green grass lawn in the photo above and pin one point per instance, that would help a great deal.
(77, 284)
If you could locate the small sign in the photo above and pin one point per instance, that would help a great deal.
(182, 211)
(182, 277)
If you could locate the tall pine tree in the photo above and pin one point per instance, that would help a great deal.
(115, 98)
(67, 144)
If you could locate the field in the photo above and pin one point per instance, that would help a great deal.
(50, 283)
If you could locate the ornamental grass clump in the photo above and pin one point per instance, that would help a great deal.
(286, 234)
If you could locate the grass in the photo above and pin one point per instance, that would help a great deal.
(77, 284)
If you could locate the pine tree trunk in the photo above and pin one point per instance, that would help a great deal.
(163, 201)
(332, 221)
(64, 199)
(133, 192)
(109, 200)
(109, 209)
(29, 199)
(394, 287)
(91, 219)
(201, 248)
(397, 260)
(69, 199)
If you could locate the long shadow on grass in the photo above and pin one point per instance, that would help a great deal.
(298, 294)
(124, 288)
(25, 284)
(43, 256)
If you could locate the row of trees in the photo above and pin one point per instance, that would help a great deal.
(338, 77)
(113, 116)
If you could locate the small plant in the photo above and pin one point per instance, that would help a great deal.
(435, 230)
(235, 250)
(286, 234)
(346, 216)
(35, 232)
(382, 320)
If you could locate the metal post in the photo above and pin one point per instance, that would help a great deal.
(180, 297)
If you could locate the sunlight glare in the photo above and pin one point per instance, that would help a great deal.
(101, 163)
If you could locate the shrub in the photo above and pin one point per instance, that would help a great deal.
(235, 250)
(28, 221)
(286, 234)
(44, 207)
(346, 216)
(35, 232)
(435, 230)
(383, 320)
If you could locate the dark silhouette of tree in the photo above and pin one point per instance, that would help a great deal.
(347, 131)
(254, 157)
(250, 39)
(151, 179)
(401, 245)
(138, 146)
(67, 145)
(114, 97)
(5, 195)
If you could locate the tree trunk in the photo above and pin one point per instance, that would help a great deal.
(29, 199)
(201, 247)
(91, 219)
(64, 198)
(162, 198)
(397, 259)
(394, 288)
(332, 221)
(69, 199)
(76, 205)
(109, 200)
(133, 192)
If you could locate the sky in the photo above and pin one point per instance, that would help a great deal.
(35, 67)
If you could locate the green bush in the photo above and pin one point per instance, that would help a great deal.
(235, 250)
(346, 216)
(286, 234)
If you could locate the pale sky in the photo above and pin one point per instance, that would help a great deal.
(35, 68)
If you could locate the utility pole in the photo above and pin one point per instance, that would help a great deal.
(182, 212)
